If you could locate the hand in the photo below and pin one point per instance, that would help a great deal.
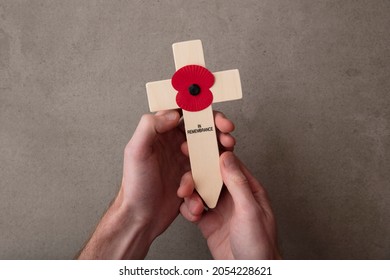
(154, 165)
(147, 202)
(242, 225)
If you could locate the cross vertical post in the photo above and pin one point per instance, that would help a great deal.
(199, 125)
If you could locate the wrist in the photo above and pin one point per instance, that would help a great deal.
(119, 235)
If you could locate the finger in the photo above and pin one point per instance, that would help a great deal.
(222, 123)
(192, 200)
(163, 112)
(166, 120)
(151, 125)
(184, 148)
(253, 182)
(184, 211)
(258, 190)
(224, 127)
(181, 125)
(194, 204)
(235, 180)
(226, 141)
(187, 185)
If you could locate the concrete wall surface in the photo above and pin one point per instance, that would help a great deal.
(313, 125)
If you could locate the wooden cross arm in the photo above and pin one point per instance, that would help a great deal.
(227, 86)
(162, 96)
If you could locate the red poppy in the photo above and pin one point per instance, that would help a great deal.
(193, 83)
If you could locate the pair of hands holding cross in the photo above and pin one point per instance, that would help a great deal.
(157, 185)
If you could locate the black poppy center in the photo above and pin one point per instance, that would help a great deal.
(194, 89)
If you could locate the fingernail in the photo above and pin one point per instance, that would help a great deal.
(229, 161)
(170, 116)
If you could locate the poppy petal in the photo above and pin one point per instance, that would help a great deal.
(192, 103)
(185, 78)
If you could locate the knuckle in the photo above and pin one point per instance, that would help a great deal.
(239, 179)
(147, 119)
(128, 149)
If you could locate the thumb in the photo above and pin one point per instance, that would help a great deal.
(151, 125)
(235, 180)
(166, 120)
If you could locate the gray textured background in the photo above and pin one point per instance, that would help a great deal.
(313, 125)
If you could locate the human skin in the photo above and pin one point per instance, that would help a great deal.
(155, 159)
(242, 226)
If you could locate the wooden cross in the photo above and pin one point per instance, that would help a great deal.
(199, 125)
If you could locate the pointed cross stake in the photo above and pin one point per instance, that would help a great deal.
(199, 125)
